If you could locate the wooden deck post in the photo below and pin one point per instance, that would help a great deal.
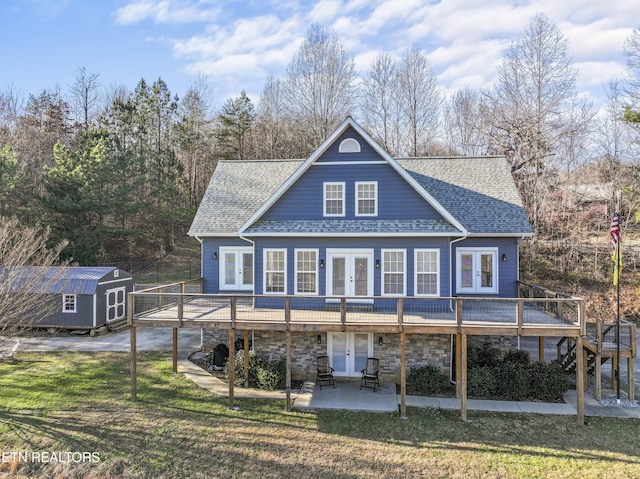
(541, 349)
(580, 382)
(403, 376)
(287, 319)
(134, 373)
(458, 374)
(463, 377)
(343, 313)
(614, 373)
(175, 350)
(232, 365)
(232, 351)
(246, 358)
(630, 378)
(598, 377)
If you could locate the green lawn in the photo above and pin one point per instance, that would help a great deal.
(79, 403)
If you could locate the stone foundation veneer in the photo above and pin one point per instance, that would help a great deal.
(421, 349)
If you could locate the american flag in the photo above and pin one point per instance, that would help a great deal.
(614, 231)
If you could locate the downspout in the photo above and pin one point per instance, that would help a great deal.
(451, 263)
(201, 277)
(254, 278)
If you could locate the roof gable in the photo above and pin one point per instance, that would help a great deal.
(329, 152)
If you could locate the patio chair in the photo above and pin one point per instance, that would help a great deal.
(325, 372)
(370, 374)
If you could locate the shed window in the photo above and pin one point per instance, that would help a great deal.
(68, 303)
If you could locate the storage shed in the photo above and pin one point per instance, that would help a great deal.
(89, 296)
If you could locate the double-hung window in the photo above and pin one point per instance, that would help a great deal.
(366, 198)
(306, 271)
(334, 199)
(394, 272)
(275, 271)
(427, 272)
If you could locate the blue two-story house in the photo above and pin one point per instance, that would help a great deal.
(351, 221)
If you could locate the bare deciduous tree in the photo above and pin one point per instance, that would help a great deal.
(421, 102)
(85, 96)
(465, 123)
(24, 256)
(320, 83)
(532, 107)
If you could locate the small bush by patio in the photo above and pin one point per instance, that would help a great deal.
(263, 374)
(428, 380)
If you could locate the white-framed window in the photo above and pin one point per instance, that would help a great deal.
(477, 270)
(394, 269)
(334, 199)
(427, 272)
(306, 271)
(236, 268)
(69, 303)
(275, 271)
(366, 198)
(116, 273)
(349, 145)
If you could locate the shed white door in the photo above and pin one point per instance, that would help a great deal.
(116, 304)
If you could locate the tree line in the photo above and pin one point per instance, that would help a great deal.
(117, 174)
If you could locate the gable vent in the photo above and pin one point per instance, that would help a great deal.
(349, 145)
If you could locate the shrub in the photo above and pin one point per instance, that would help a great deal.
(484, 356)
(547, 382)
(268, 375)
(427, 380)
(481, 382)
(518, 357)
(512, 381)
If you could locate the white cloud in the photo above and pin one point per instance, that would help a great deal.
(167, 11)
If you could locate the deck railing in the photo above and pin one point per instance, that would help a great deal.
(170, 304)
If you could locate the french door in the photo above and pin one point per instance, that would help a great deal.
(477, 270)
(348, 352)
(350, 273)
(236, 268)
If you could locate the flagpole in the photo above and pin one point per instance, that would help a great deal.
(618, 267)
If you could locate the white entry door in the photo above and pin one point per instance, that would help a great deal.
(349, 352)
(350, 273)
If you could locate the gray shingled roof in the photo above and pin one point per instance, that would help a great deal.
(236, 190)
(58, 280)
(353, 226)
(478, 192)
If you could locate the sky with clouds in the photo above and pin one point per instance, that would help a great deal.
(238, 44)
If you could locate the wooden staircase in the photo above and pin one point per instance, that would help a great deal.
(600, 345)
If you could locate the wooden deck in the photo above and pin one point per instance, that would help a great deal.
(532, 317)
(548, 314)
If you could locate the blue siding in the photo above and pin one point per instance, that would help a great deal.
(396, 198)
(377, 244)
(507, 270)
(210, 267)
(366, 152)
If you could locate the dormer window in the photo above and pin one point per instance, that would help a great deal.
(349, 145)
(367, 198)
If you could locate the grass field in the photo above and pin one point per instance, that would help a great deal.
(73, 403)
